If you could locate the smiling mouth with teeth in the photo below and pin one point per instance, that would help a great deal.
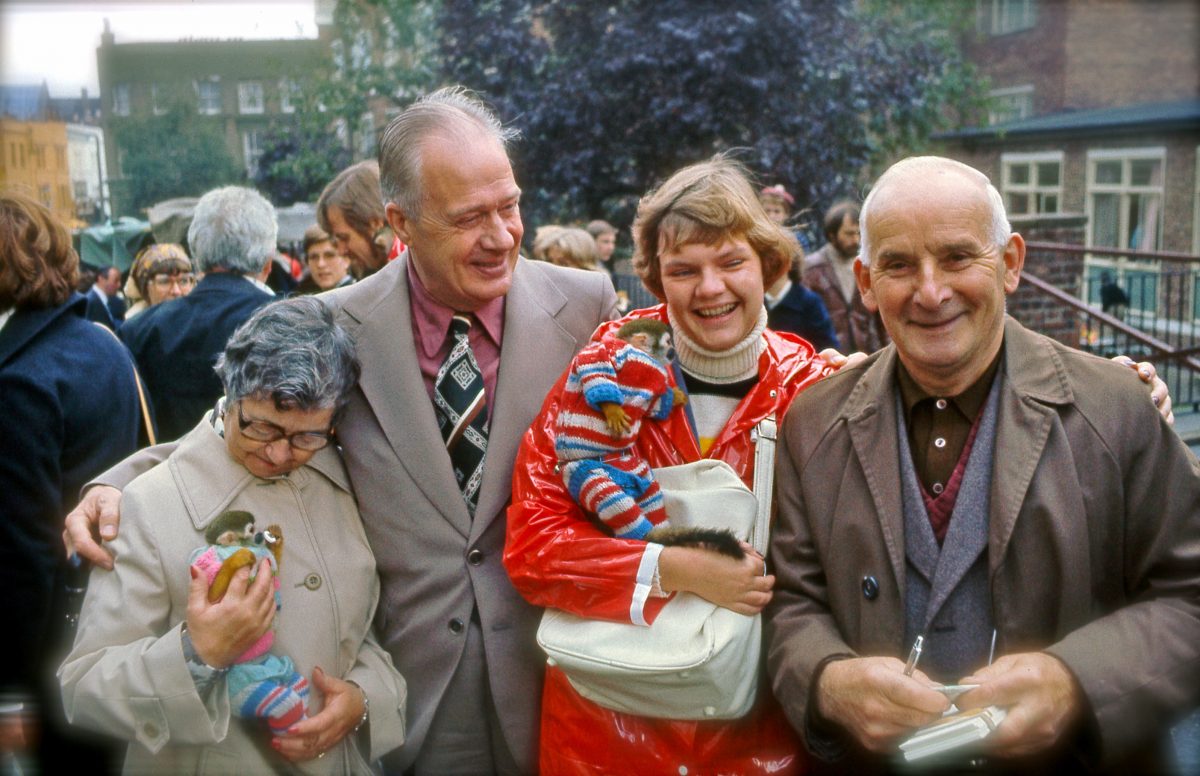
(717, 311)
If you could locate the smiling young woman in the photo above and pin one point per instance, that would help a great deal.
(706, 248)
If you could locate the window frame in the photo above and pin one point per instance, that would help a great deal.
(1034, 189)
(121, 100)
(203, 106)
(247, 92)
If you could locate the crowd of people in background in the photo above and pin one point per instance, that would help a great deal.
(398, 429)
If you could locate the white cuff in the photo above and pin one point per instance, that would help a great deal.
(647, 583)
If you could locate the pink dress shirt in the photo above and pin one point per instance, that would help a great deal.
(431, 324)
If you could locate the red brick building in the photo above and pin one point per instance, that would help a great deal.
(1095, 110)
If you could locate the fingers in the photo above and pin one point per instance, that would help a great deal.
(873, 700)
(832, 357)
(99, 509)
(1040, 694)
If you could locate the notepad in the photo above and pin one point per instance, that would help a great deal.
(952, 732)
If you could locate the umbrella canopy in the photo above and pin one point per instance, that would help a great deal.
(114, 244)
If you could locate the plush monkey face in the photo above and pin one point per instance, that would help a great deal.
(232, 527)
(649, 336)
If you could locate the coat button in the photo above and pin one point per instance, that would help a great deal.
(313, 581)
(475, 557)
(456, 625)
(150, 729)
(870, 588)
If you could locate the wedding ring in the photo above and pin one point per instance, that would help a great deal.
(764, 567)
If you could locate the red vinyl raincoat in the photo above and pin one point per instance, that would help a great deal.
(559, 558)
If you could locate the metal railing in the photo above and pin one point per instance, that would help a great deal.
(1144, 304)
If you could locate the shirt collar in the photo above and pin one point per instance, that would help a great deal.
(259, 284)
(969, 402)
(432, 318)
(4, 316)
(772, 300)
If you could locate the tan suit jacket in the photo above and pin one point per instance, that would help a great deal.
(1093, 537)
(438, 567)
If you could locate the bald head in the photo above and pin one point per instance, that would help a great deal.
(923, 175)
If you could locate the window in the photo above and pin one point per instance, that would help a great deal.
(81, 191)
(1011, 104)
(208, 96)
(250, 97)
(158, 99)
(120, 100)
(252, 150)
(1124, 202)
(1032, 183)
(1125, 191)
(998, 17)
(287, 96)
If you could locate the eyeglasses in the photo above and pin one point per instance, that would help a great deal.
(267, 432)
(164, 282)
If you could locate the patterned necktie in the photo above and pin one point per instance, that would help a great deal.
(461, 409)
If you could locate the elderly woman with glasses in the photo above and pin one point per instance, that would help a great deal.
(152, 660)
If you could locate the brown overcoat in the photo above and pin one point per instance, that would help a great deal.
(1093, 547)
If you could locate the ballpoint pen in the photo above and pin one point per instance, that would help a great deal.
(913, 656)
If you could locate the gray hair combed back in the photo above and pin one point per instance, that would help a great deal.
(999, 230)
(294, 353)
(451, 112)
(233, 229)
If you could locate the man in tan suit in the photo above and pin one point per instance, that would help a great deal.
(976, 483)
(455, 627)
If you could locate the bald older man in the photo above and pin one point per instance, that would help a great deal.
(974, 484)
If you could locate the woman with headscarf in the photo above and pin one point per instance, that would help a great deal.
(160, 272)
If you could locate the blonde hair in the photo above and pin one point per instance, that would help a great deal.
(577, 248)
(707, 203)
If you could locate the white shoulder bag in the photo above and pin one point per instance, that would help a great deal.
(697, 660)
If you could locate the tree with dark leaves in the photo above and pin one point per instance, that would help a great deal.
(612, 97)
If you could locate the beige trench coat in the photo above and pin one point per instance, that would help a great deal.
(126, 675)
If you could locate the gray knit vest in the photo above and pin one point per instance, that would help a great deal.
(947, 597)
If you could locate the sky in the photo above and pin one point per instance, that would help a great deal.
(56, 40)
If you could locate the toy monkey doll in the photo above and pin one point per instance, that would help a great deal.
(260, 684)
(611, 387)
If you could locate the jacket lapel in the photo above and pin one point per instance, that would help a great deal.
(392, 385)
(1036, 381)
(872, 422)
(535, 351)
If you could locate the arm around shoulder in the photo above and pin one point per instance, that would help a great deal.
(126, 674)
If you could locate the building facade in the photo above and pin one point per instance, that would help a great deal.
(1094, 111)
(239, 86)
(35, 164)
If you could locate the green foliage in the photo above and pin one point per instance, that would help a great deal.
(298, 160)
(612, 97)
(381, 57)
(178, 154)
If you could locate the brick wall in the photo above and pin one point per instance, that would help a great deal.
(1179, 165)
(1122, 52)
(1034, 309)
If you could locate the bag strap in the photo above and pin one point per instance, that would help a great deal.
(137, 380)
(764, 480)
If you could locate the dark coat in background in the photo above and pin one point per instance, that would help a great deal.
(802, 312)
(99, 311)
(70, 411)
(177, 343)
